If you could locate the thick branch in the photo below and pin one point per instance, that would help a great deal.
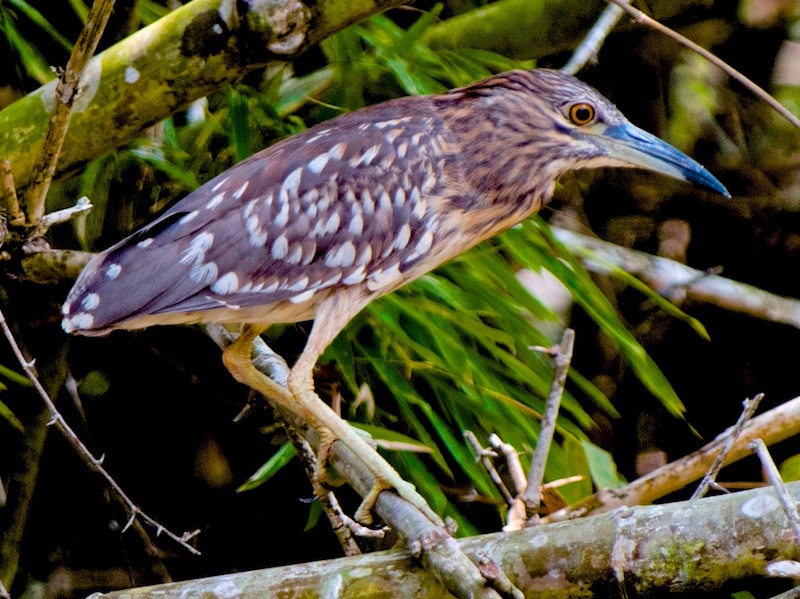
(650, 548)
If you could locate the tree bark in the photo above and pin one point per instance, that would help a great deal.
(683, 547)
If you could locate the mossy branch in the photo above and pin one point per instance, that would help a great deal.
(680, 547)
(162, 68)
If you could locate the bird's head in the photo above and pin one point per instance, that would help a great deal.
(547, 123)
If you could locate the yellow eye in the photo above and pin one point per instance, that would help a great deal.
(581, 113)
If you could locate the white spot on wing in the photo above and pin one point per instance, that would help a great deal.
(195, 253)
(216, 200)
(365, 256)
(91, 301)
(316, 165)
(337, 151)
(292, 182)
(356, 226)
(367, 202)
(226, 284)
(298, 285)
(145, 243)
(382, 278)
(280, 247)
(82, 321)
(189, 217)
(113, 270)
(204, 274)
(239, 192)
(393, 134)
(403, 235)
(283, 216)
(220, 184)
(295, 254)
(402, 149)
(306, 295)
(342, 256)
(399, 197)
(356, 276)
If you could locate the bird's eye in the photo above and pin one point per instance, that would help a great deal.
(581, 113)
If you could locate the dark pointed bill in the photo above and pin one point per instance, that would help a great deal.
(636, 147)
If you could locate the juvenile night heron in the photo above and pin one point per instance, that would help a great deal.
(319, 225)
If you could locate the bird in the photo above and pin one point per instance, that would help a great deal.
(322, 223)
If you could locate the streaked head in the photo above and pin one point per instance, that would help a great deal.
(545, 123)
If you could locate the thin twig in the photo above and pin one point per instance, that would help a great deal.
(750, 406)
(94, 463)
(81, 207)
(485, 456)
(775, 479)
(533, 494)
(8, 195)
(588, 49)
(67, 91)
(642, 18)
(513, 463)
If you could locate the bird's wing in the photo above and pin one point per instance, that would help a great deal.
(344, 203)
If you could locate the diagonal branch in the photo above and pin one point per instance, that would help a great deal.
(66, 92)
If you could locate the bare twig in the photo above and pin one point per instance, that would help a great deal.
(485, 456)
(67, 91)
(2, 494)
(642, 18)
(772, 426)
(513, 463)
(590, 46)
(8, 195)
(750, 406)
(663, 274)
(775, 479)
(81, 207)
(533, 495)
(95, 464)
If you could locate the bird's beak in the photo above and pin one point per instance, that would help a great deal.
(635, 147)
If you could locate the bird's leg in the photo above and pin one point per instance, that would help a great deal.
(330, 317)
(332, 428)
(301, 399)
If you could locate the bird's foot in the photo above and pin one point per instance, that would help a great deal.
(385, 477)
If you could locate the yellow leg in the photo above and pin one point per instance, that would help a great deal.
(301, 399)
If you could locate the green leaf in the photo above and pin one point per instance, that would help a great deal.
(240, 124)
(282, 457)
(602, 467)
(790, 468)
(35, 17)
(8, 415)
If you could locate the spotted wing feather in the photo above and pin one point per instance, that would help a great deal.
(345, 203)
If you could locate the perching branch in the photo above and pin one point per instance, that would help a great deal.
(432, 545)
